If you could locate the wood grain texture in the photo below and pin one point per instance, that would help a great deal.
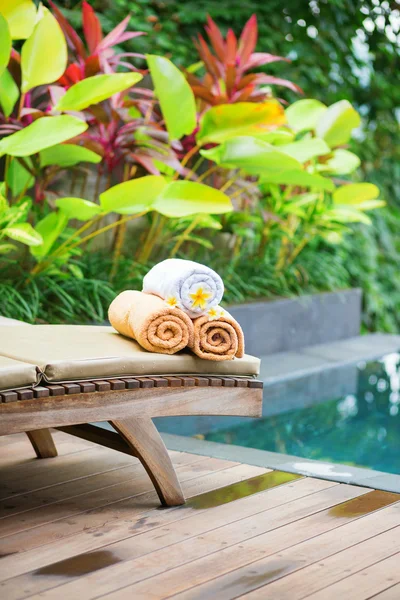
(43, 443)
(123, 404)
(142, 436)
(286, 539)
(67, 538)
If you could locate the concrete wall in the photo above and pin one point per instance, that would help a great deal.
(292, 323)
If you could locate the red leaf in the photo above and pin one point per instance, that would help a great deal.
(92, 65)
(248, 39)
(119, 35)
(73, 39)
(231, 47)
(244, 94)
(71, 75)
(91, 27)
(230, 79)
(203, 93)
(270, 80)
(146, 162)
(246, 80)
(257, 59)
(216, 39)
(207, 57)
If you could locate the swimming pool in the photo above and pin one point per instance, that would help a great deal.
(360, 429)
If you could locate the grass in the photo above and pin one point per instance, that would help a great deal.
(370, 259)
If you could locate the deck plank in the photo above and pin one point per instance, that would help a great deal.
(113, 486)
(363, 584)
(365, 547)
(70, 544)
(391, 593)
(194, 537)
(45, 472)
(172, 526)
(101, 506)
(227, 564)
(72, 489)
(86, 524)
(20, 451)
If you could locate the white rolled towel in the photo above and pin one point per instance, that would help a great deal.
(188, 285)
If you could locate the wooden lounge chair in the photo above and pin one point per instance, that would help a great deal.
(67, 377)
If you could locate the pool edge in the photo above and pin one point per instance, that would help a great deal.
(284, 462)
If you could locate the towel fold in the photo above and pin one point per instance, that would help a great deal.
(147, 319)
(188, 285)
(218, 339)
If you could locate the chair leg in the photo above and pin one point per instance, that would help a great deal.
(142, 436)
(42, 442)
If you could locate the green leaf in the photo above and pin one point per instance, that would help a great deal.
(67, 155)
(3, 204)
(226, 121)
(77, 208)
(24, 233)
(18, 178)
(304, 114)
(41, 134)
(21, 16)
(306, 149)
(175, 96)
(297, 202)
(277, 137)
(7, 248)
(5, 44)
(183, 198)
(337, 123)
(342, 162)
(251, 154)
(44, 54)
(18, 213)
(299, 178)
(355, 193)
(346, 214)
(93, 90)
(134, 196)
(9, 92)
(76, 271)
(50, 228)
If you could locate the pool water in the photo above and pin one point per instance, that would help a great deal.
(361, 429)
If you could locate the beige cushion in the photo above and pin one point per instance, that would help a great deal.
(16, 374)
(73, 352)
(7, 321)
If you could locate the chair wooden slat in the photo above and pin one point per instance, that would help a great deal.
(72, 388)
(41, 391)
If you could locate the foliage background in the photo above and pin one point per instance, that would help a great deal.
(339, 49)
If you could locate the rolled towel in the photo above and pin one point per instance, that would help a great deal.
(147, 319)
(218, 338)
(191, 286)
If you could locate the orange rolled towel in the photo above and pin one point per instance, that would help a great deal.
(218, 339)
(148, 320)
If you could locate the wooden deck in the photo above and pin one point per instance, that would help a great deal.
(87, 525)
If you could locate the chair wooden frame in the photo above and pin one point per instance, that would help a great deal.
(129, 405)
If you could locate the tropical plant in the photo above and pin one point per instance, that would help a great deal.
(162, 158)
(227, 64)
(36, 151)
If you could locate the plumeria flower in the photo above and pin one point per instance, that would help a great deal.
(215, 313)
(199, 298)
(172, 302)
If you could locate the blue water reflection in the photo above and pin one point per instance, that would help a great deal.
(361, 429)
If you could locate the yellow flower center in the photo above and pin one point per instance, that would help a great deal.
(213, 313)
(172, 301)
(199, 298)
